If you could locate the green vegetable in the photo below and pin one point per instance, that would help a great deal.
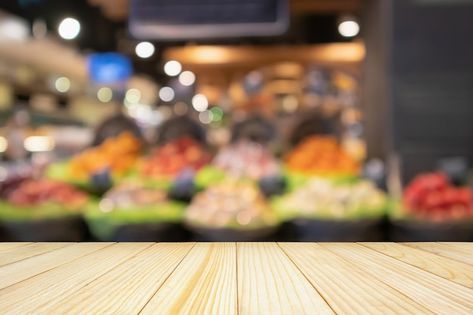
(339, 199)
(296, 180)
(59, 171)
(164, 183)
(209, 175)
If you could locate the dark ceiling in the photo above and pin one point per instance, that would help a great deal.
(99, 33)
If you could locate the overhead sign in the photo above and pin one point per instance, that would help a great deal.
(109, 68)
(194, 19)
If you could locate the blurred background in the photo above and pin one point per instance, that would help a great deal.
(224, 120)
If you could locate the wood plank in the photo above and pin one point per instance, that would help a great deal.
(431, 291)
(466, 246)
(456, 253)
(18, 253)
(346, 287)
(204, 283)
(449, 269)
(229, 278)
(7, 246)
(127, 288)
(27, 296)
(269, 283)
(29, 267)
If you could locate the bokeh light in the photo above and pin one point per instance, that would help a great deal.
(69, 28)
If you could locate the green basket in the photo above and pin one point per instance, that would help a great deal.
(103, 225)
(46, 211)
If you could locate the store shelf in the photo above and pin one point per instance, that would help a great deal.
(236, 278)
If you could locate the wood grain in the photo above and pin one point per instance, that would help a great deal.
(127, 288)
(236, 278)
(22, 252)
(447, 250)
(346, 287)
(36, 292)
(29, 267)
(6, 246)
(452, 270)
(269, 283)
(204, 283)
(465, 246)
(431, 291)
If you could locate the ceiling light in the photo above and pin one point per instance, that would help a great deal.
(166, 94)
(62, 84)
(38, 144)
(12, 28)
(349, 28)
(144, 49)
(3, 144)
(105, 94)
(69, 28)
(133, 96)
(200, 102)
(187, 78)
(290, 103)
(206, 117)
(172, 68)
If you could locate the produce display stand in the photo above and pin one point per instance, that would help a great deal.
(203, 199)
(433, 208)
(233, 235)
(62, 229)
(151, 232)
(36, 216)
(236, 278)
(326, 230)
(428, 231)
(3, 237)
(145, 225)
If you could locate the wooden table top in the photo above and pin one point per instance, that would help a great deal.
(236, 278)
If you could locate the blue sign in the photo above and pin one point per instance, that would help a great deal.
(109, 68)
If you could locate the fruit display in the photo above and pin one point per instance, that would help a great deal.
(131, 204)
(12, 179)
(9, 185)
(37, 192)
(174, 157)
(324, 199)
(246, 159)
(232, 204)
(43, 199)
(432, 197)
(126, 196)
(117, 155)
(322, 156)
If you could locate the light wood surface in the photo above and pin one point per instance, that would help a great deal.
(14, 254)
(236, 278)
(447, 268)
(454, 251)
(204, 283)
(269, 283)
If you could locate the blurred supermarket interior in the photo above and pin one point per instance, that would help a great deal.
(254, 120)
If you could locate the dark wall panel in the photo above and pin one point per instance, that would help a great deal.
(429, 80)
